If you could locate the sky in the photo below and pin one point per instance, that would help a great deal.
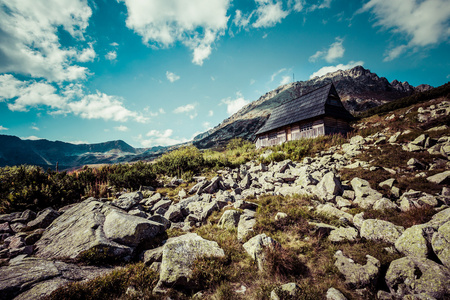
(159, 72)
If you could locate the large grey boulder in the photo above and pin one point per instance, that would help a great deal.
(415, 275)
(129, 230)
(178, 258)
(255, 247)
(441, 244)
(356, 275)
(92, 225)
(413, 241)
(128, 200)
(34, 278)
(380, 230)
(328, 186)
(202, 209)
(229, 219)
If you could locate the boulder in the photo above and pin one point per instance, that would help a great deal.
(441, 244)
(255, 247)
(178, 258)
(334, 294)
(389, 183)
(416, 199)
(245, 226)
(356, 275)
(440, 178)
(173, 214)
(162, 205)
(328, 186)
(329, 210)
(379, 230)
(129, 230)
(82, 228)
(128, 200)
(286, 291)
(413, 241)
(229, 219)
(202, 209)
(365, 196)
(34, 278)
(213, 186)
(43, 219)
(384, 204)
(25, 217)
(416, 275)
(343, 234)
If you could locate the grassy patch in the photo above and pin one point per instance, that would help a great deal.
(406, 219)
(112, 286)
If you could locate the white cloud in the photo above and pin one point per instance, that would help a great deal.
(210, 113)
(3, 128)
(32, 138)
(423, 23)
(29, 42)
(272, 78)
(234, 105)
(330, 69)
(196, 23)
(269, 13)
(172, 77)
(78, 142)
(184, 109)
(35, 128)
(285, 80)
(23, 95)
(323, 4)
(161, 111)
(111, 55)
(122, 128)
(240, 20)
(160, 138)
(335, 51)
(88, 54)
(297, 5)
(114, 44)
(252, 81)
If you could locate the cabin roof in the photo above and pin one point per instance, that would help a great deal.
(310, 105)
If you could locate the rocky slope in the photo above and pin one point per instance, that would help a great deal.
(385, 194)
(358, 88)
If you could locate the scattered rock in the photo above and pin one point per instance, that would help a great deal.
(356, 275)
(43, 219)
(178, 257)
(255, 248)
(415, 275)
(440, 178)
(230, 219)
(441, 244)
(334, 294)
(127, 201)
(380, 230)
(413, 241)
(343, 234)
(286, 291)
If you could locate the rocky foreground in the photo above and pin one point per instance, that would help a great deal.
(39, 251)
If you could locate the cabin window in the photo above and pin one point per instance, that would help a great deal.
(273, 136)
(307, 126)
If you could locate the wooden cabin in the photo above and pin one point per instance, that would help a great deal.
(319, 112)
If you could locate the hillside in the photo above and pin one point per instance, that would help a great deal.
(362, 217)
(358, 88)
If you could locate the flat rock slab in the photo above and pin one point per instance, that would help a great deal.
(35, 277)
(95, 225)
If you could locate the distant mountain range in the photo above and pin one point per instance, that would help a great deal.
(358, 88)
(44, 153)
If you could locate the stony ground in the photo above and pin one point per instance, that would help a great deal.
(364, 220)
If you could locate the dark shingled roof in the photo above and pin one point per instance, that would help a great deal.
(307, 106)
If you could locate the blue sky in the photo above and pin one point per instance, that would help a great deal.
(158, 72)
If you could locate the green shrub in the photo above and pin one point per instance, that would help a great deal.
(180, 161)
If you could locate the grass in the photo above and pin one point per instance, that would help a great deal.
(111, 286)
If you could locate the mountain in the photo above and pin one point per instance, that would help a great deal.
(44, 153)
(359, 89)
